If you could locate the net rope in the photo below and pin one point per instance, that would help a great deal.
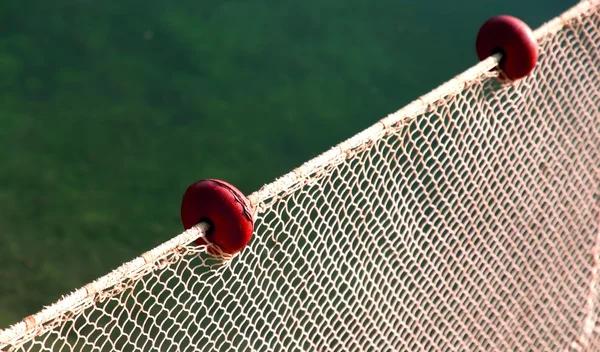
(469, 220)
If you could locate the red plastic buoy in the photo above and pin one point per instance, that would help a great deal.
(514, 39)
(226, 209)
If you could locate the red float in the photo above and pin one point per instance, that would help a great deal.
(514, 40)
(225, 208)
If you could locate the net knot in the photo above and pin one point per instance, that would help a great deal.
(90, 289)
(30, 322)
(217, 252)
(148, 257)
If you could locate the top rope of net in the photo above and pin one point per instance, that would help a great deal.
(116, 281)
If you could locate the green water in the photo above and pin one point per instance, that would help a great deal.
(110, 109)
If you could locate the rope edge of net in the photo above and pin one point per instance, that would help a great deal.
(312, 170)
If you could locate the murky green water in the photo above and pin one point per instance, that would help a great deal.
(110, 109)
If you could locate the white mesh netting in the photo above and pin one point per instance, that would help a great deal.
(467, 221)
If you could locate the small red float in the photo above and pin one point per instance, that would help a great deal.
(225, 208)
(514, 40)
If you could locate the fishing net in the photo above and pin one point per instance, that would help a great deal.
(468, 220)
